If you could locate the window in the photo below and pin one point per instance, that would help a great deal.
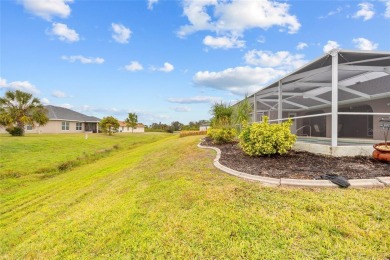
(65, 126)
(79, 126)
(29, 127)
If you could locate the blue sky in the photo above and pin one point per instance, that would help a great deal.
(171, 60)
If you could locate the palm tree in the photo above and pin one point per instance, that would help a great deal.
(18, 108)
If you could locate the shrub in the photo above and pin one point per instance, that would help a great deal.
(15, 131)
(189, 133)
(170, 130)
(266, 139)
(222, 136)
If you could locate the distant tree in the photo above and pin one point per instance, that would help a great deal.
(131, 121)
(158, 126)
(109, 124)
(176, 126)
(18, 108)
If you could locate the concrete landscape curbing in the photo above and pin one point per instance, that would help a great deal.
(384, 180)
(378, 182)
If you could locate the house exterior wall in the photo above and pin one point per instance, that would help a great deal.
(53, 127)
(204, 127)
(125, 129)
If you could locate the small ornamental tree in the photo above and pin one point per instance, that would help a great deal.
(267, 139)
(241, 112)
(18, 109)
(109, 124)
(131, 121)
(222, 115)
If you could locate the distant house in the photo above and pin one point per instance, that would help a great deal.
(140, 128)
(204, 127)
(63, 120)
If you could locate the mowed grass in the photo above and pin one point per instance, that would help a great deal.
(33, 152)
(166, 200)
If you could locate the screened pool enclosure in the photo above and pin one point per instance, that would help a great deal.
(342, 94)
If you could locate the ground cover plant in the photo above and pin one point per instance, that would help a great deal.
(165, 199)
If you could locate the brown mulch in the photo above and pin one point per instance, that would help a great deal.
(300, 165)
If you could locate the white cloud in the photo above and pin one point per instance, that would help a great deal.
(82, 59)
(59, 94)
(66, 105)
(47, 9)
(3, 82)
(281, 59)
(64, 33)
(234, 17)
(387, 12)
(223, 42)
(239, 80)
(366, 11)
(18, 85)
(45, 101)
(331, 13)
(121, 33)
(330, 46)
(181, 109)
(195, 100)
(301, 46)
(166, 68)
(134, 66)
(151, 3)
(364, 44)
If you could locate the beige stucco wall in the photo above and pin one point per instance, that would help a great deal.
(52, 127)
(55, 127)
(125, 129)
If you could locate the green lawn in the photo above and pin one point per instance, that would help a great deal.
(164, 199)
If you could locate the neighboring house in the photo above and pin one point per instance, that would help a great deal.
(140, 128)
(341, 94)
(63, 120)
(204, 127)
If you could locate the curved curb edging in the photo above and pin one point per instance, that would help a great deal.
(378, 182)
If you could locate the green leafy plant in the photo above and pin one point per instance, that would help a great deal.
(109, 125)
(222, 115)
(222, 136)
(267, 139)
(15, 131)
(241, 111)
(18, 108)
(131, 121)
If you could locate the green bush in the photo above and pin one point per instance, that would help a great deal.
(15, 131)
(267, 139)
(222, 136)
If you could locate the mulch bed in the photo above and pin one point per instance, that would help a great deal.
(299, 165)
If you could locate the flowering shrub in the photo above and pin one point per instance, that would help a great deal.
(222, 135)
(266, 139)
(189, 133)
